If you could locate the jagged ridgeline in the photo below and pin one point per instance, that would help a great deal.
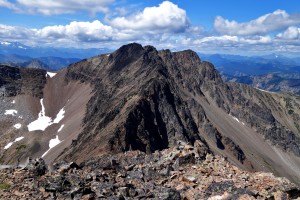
(139, 98)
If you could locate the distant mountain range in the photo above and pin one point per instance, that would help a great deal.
(235, 65)
(271, 72)
(275, 82)
(52, 59)
(16, 48)
(46, 63)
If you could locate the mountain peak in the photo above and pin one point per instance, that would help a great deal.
(129, 49)
(138, 98)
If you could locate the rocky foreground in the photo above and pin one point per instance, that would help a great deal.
(181, 172)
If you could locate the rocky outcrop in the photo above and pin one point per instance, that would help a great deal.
(175, 173)
(15, 81)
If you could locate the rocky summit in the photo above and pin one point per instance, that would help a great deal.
(139, 99)
(182, 172)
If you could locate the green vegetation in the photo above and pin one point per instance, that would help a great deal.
(20, 147)
(4, 186)
(297, 126)
(290, 111)
(288, 103)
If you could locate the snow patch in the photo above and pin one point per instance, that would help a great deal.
(19, 138)
(20, 117)
(51, 74)
(11, 112)
(52, 143)
(236, 119)
(60, 115)
(263, 90)
(17, 126)
(44, 121)
(8, 145)
(13, 102)
(107, 55)
(11, 143)
(61, 127)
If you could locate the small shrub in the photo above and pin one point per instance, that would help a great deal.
(4, 186)
(20, 147)
(290, 112)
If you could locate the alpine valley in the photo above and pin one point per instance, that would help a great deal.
(138, 109)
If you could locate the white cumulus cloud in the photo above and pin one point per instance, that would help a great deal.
(78, 31)
(270, 22)
(165, 26)
(292, 33)
(14, 33)
(153, 24)
(56, 7)
(166, 17)
(7, 4)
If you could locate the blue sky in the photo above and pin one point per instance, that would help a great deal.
(214, 26)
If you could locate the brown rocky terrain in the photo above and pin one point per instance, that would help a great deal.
(141, 99)
(182, 172)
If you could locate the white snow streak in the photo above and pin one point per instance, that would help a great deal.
(13, 102)
(236, 119)
(263, 90)
(51, 74)
(60, 115)
(52, 143)
(8, 145)
(11, 143)
(44, 121)
(19, 138)
(11, 112)
(18, 126)
(61, 127)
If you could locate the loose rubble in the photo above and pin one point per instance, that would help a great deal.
(182, 172)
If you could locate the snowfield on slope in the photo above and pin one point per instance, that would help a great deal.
(52, 143)
(43, 121)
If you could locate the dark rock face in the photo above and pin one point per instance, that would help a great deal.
(146, 100)
(14, 81)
